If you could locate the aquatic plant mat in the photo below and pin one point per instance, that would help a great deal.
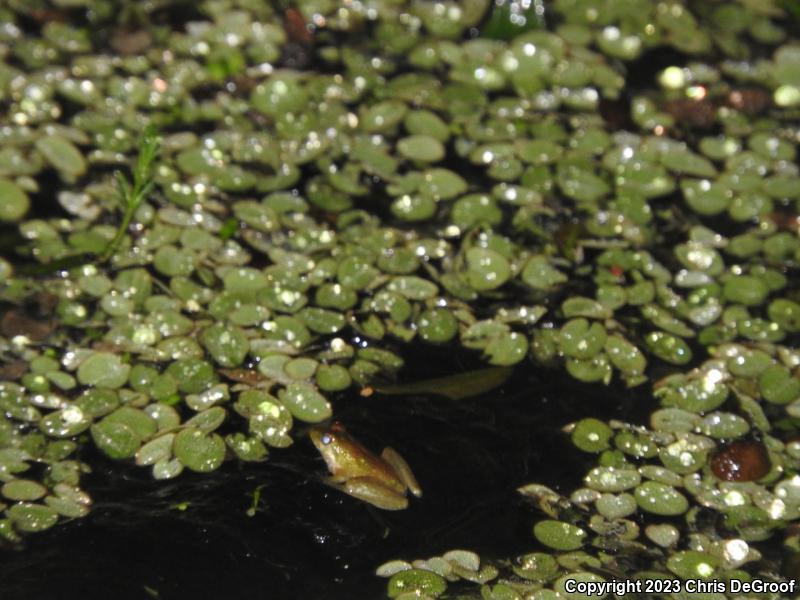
(422, 299)
(196, 537)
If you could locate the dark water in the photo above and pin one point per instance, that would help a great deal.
(308, 541)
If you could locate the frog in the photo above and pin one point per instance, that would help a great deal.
(382, 481)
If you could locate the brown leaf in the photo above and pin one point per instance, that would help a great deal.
(695, 113)
(248, 376)
(130, 43)
(751, 101)
(295, 26)
(17, 322)
(13, 370)
(46, 302)
(742, 460)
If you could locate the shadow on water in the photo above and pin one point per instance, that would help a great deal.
(306, 540)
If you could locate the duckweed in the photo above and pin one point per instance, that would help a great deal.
(15, 201)
(579, 339)
(486, 269)
(612, 479)
(115, 439)
(437, 325)
(199, 451)
(28, 517)
(691, 564)
(305, 403)
(23, 490)
(416, 582)
(104, 370)
(591, 435)
(559, 535)
(471, 179)
(668, 347)
(660, 499)
(63, 155)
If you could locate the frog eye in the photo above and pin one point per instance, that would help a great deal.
(326, 438)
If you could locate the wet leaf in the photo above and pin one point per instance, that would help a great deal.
(305, 402)
(539, 274)
(67, 422)
(418, 582)
(32, 517)
(62, 154)
(423, 148)
(506, 349)
(16, 322)
(228, 345)
(199, 451)
(115, 439)
(437, 325)
(103, 369)
(454, 387)
(742, 460)
(486, 269)
(690, 564)
(157, 449)
(591, 435)
(559, 535)
(15, 202)
(616, 506)
(660, 499)
(578, 339)
(23, 489)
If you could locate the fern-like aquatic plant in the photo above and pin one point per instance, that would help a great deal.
(131, 194)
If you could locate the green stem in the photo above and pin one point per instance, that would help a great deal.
(131, 195)
(113, 245)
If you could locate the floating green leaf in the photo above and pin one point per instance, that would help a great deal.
(559, 535)
(305, 402)
(418, 582)
(62, 154)
(14, 202)
(103, 369)
(199, 451)
(32, 517)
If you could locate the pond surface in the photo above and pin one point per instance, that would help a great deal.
(307, 540)
(225, 223)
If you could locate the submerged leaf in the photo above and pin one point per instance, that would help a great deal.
(454, 387)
